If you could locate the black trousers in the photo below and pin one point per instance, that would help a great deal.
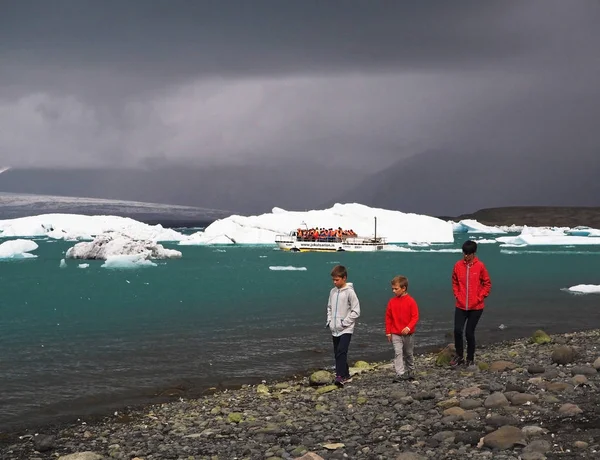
(340, 351)
(471, 318)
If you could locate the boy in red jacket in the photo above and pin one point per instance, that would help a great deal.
(471, 284)
(401, 317)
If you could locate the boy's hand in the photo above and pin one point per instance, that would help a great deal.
(405, 331)
(389, 336)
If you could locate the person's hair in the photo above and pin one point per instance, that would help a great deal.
(469, 247)
(339, 270)
(401, 281)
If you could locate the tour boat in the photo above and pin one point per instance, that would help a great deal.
(295, 243)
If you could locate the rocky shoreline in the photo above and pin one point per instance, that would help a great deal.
(528, 399)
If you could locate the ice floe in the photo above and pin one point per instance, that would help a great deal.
(80, 227)
(534, 236)
(112, 245)
(396, 226)
(584, 289)
(127, 261)
(17, 249)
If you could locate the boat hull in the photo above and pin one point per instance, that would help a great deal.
(322, 246)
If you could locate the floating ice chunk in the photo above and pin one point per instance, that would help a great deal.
(63, 263)
(17, 249)
(584, 289)
(113, 244)
(80, 227)
(287, 268)
(485, 241)
(396, 226)
(83, 265)
(472, 226)
(127, 261)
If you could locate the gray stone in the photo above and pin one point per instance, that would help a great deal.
(496, 400)
(539, 445)
(583, 370)
(519, 399)
(532, 431)
(500, 420)
(569, 410)
(82, 456)
(410, 456)
(502, 366)
(579, 380)
(532, 455)
(469, 404)
(536, 369)
(43, 442)
(504, 437)
(597, 364)
(563, 354)
(469, 438)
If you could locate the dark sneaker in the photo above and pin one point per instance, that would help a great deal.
(457, 361)
(399, 378)
(346, 380)
(470, 362)
(410, 375)
(339, 381)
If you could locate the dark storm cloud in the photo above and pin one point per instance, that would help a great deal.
(100, 82)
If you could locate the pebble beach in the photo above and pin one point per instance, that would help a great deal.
(533, 398)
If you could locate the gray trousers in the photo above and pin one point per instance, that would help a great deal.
(404, 346)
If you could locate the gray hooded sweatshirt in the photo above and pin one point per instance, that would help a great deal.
(343, 309)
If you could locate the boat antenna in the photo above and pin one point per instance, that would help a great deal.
(375, 228)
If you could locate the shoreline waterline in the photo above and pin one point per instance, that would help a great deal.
(186, 390)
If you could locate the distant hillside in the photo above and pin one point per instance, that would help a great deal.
(450, 183)
(538, 216)
(242, 189)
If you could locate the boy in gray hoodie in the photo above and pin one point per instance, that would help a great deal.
(343, 309)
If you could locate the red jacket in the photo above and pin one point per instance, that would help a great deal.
(471, 284)
(401, 312)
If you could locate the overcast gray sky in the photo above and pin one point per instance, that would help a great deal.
(118, 82)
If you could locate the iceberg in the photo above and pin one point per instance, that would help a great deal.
(472, 226)
(80, 227)
(127, 261)
(584, 289)
(17, 249)
(396, 226)
(583, 231)
(546, 236)
(111, 245)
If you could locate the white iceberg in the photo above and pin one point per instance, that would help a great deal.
(545, 236)
(80, 227)
(109, 245)
(585, 289)
(127, 261)
(17, 249)
(472, 226)
(583, 231)
(396, 226)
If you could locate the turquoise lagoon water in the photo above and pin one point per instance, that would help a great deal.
(81, 341)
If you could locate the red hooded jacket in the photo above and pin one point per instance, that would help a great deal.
(471, 284)
(401, 312)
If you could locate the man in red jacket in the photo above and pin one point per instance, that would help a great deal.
(401, 317)
(471, 285)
